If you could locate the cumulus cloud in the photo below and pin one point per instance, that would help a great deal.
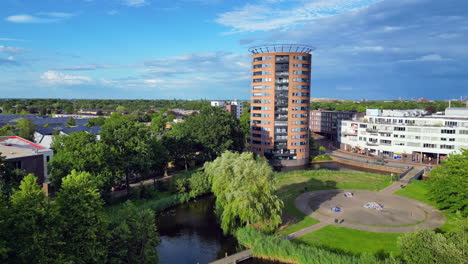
(42, 17)
(195, 75)
(58, 78)
(264, 17)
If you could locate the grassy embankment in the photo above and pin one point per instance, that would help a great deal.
(292, 184)
(339, 238)
(155, 198)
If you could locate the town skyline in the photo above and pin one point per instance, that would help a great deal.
(139, 49)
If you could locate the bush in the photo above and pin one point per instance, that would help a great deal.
(428, 247)
(167, 202)
(199, 184)
(321, 157)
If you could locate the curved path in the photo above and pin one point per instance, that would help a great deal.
(400, 214)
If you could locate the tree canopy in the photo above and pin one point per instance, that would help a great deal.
(25, 128)
(214, 129)
(244, 186)
(450, 183)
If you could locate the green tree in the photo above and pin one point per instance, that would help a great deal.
(244, 121)
(85, 226)
(199, 184)
(129, 145)
(7, 130)
(158, 157)
(157, 124)
(120, 109)
(81, 152)
(134, 236)
(4, 234)
(450, 182)
(214, 128)
(10, 178)
(34, 234)
(180, 148)
(428, 247)
(25, 128)
(244, 186)
(71, 122)
(98, 121)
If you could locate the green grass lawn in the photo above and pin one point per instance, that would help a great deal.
(307, 221)
(292, 184)
(352, 241)
(418, 190)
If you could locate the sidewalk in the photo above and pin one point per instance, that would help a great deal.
(388, 162)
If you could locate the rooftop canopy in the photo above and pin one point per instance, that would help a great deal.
(268, 48)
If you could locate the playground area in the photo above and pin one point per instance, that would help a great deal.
(368, 208)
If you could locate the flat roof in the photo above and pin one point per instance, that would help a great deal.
(15, 147)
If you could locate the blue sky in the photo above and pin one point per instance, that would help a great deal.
(192, 49)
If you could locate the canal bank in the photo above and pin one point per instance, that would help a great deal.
(190, 234)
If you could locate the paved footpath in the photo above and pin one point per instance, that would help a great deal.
(402, 182)
(434, 218)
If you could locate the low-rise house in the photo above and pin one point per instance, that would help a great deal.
(28, 156)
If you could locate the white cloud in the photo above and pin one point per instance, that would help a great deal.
(135, 3)
(370, 48)
(432, 57)
(86, 67)
(428, 58)
(390, 28)
(11, 50)
(42, 17)
(263, 17)
(449, 35)
(58, 78)
(10, 39)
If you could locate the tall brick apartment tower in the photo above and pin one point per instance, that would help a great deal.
(280, 103)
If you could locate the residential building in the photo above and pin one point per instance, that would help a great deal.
(325, 122)
(231, 108)
(44, 136)
(409, 135)
(27, 156)
(234, 106)
(280, 103)
(41, 120)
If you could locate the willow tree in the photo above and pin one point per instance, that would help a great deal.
(244, 186)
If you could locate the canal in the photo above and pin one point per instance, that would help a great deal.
(190, 234)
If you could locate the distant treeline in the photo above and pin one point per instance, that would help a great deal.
(433, 106)
(62, 106)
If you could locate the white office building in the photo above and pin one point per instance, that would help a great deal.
(408, 135)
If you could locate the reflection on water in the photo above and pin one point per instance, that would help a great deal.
(190, 234)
